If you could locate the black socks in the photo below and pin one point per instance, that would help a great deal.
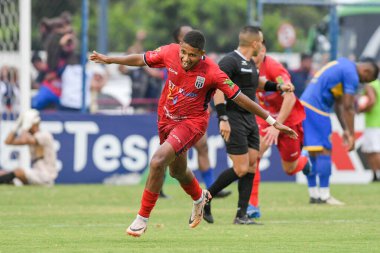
(225, 179)
(7, 178)
(245, 188)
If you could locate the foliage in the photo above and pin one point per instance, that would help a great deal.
(220, 20)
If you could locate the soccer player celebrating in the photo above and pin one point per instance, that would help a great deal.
(285, 108)
(182, 117)
(336, 83)
(201, 145)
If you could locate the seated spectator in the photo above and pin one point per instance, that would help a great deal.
(43, 169)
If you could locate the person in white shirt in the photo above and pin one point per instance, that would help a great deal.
(72, 88)
(43, 169)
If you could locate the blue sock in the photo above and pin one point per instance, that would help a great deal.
(208, 177)
(324, 170)
(312, 177)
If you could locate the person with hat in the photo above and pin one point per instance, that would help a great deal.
(43, 169)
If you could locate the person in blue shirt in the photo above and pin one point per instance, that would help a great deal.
(334, 84)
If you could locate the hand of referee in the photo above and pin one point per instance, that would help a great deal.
(225, 130)
(271, 135)
(286, 130)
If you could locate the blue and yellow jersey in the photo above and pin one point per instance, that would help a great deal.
(332, 81)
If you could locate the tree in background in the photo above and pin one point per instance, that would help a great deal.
(220, 20)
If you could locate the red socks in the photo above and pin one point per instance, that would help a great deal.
(149, 198)
(254, 199)
(148, 202)
(302, 160)
(193, 189)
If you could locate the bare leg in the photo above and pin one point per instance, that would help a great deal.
(178, 170)
(160, 160)
(374, 163)
(202, 150)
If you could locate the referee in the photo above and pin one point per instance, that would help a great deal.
(237, 126)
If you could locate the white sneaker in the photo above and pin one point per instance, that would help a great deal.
(197, 212)
(138, 226)
(333, 201)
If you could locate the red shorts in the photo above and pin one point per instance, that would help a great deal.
(290, 149)
(183, 134)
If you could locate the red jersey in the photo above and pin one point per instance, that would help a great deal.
(272, 101)
(186, 94)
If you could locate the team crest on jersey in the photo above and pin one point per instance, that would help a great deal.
(200, 82)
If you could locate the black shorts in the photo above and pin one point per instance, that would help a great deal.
(244, 133)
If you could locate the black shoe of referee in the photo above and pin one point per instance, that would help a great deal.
(207, 216)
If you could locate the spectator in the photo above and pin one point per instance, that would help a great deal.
(138, 75)
(146, 82)
(9, 91)
(98, 80)
(41, 67)
(72, 87)
(44, 164)
(60, 43)
(301, 76)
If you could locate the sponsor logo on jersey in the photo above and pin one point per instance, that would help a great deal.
(229, 83)
(173, 71)
(174, 90)
(200, 82)
(246, 70)
(244, 63)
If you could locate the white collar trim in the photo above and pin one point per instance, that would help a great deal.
(240, 54)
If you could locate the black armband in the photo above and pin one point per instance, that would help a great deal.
(270, 86)
(221, 109)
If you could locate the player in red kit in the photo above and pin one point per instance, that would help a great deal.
(287, 109)
(182, 117)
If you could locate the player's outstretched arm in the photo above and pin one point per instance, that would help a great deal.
(246, 103)
(130, 60)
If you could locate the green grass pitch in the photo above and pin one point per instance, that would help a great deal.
(93, 218)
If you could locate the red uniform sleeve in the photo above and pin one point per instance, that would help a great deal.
(274, 69)
(224, 83)
(156, 58)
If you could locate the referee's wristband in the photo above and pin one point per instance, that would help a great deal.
(270, 86)
(270, 120)
(221, 109)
